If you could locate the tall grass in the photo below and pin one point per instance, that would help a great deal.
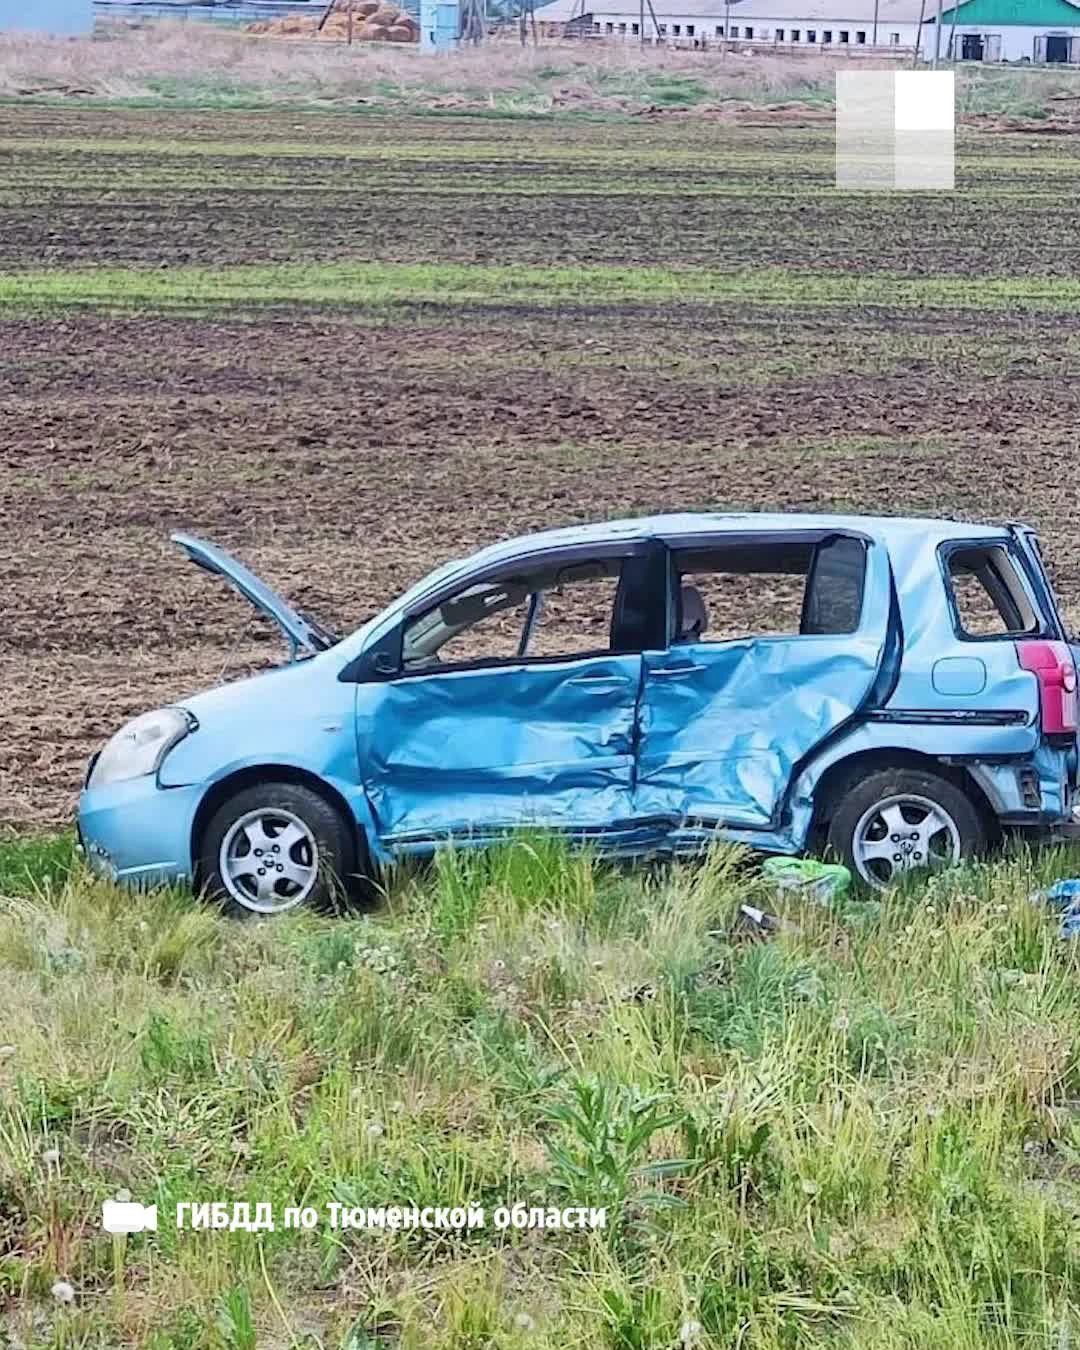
(201, 65)
(863, 1133)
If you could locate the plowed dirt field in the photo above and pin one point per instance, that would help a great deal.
(347, 348)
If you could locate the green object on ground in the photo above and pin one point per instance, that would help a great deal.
(807, 876)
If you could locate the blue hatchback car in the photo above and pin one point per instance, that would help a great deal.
(899, 692)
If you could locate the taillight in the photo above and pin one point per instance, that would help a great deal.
(1052, 665)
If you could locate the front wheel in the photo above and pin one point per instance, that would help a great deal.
(274, 847)
(898, 821)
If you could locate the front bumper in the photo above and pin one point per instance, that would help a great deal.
(137, 832)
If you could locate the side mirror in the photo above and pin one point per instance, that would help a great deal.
(380, 663)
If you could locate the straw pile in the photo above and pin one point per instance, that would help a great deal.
(372, 21)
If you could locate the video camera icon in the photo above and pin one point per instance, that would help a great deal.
(128, 1216)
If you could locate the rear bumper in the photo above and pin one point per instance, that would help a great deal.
(138, 833)
(1036, 791)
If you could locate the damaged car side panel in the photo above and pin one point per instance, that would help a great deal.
(549, 745)
(724, 724)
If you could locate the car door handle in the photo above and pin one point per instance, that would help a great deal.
(675, 670)
(600, 681)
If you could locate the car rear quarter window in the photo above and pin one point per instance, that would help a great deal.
(772, 588)
(988, 594)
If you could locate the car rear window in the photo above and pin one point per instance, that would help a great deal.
(988, 593)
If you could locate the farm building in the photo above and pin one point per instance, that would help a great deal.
(787, 23)
(1011, 30)
(824, 23)
(46, 16)
(974, 30)
(676, 19)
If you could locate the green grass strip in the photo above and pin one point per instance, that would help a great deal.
(378, 283)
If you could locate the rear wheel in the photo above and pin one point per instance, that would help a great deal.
(897, 821)
(274, 847)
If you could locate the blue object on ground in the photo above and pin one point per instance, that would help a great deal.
(1063, 896)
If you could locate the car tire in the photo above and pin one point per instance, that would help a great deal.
(896, 821)
(275, 847)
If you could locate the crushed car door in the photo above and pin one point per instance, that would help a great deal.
(512, 702)
(790, 651)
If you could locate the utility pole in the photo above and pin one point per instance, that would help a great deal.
(727, 27)
(918, 35)
(937, 36)
(876, 5)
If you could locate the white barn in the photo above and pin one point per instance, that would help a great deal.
(685, 21)
(973, 30)
(822, 24)
(841, 25)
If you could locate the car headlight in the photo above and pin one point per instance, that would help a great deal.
(139, 747)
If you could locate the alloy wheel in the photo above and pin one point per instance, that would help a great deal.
(902, 834)
(269, 860)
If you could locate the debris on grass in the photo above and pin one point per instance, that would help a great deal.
(1064, 898)
(807, 878)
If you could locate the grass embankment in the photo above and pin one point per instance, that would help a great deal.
(860, 1134)
(203, 66)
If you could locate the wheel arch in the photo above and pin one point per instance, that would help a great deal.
(838, 776)
(250, 775)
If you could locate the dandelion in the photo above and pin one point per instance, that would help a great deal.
(123, 1195)
(51, 1157)
(810, 1187)
(690, 1332)
(396, 1108)
(523, 1322)
(63, 1292)
(6, 1051)
(841, 1022)
(374, 1130)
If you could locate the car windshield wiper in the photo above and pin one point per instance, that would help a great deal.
(325, 635)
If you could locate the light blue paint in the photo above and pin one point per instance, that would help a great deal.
(67, 18)
(656, 745)
(958, 676)
(440, 24)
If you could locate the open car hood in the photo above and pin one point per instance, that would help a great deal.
(299, 630)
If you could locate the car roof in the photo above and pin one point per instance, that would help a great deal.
(691, 523)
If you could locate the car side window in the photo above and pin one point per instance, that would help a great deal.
(990, 598)
(575, 618)
(769, 589)
(553, 611)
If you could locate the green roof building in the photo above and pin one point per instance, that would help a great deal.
(1007, 30)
